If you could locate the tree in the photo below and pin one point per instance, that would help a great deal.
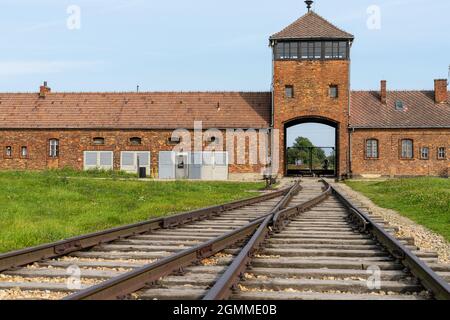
(301, 151)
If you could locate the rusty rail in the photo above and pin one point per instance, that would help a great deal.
(428, 278)
(60, 248)
(226, 283)
(127, 283)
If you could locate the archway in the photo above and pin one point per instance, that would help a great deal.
(311, 147)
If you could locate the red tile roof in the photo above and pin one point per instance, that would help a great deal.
(311, 26)
(135, 110)
(420, 110)
(171, 110)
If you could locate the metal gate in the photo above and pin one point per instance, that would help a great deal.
(311, 161)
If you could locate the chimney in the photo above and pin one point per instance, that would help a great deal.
(383, 92)
(440, 91)
(44, 89)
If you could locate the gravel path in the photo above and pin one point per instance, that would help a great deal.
(424, 238)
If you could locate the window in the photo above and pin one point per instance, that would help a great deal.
(174, 140)
(98, 160)
(24, 152)
(289, 91)
(441, 153)
(407, 149)
(425, 153)
(335, 50)
(399, 105)
(98, 141)
(135, 141)
(54, 148)
(317, 50)
(311, 50)
(8, 151)
(293, 50)
(372, 149)
(333, 92)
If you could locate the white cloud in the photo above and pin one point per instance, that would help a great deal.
(19, 68)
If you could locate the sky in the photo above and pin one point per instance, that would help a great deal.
(319, 134)
(207, 45)
(199, 45)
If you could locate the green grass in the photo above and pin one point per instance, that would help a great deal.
(37, 208)
(423, 200)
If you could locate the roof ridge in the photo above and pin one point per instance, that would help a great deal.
(398, 90)
(138, 93)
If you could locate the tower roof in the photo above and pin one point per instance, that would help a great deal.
(311, 26)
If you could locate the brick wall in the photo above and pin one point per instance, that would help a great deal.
(74, 142)
(390, 162)
(311, 81)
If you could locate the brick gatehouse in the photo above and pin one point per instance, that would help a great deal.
(378, 133)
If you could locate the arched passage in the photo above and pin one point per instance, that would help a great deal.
(311, 147)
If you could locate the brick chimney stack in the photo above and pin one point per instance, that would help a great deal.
(383, 92)
(440, 91)
(44, 89)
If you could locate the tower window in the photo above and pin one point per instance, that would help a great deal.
(441, 153)
(407, 149)
(289, 91)
(334, 92)
(425, 153)
(372, 149)
(308, 50)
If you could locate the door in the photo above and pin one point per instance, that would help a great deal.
(209, 166)
(166, 165)
(181, 166)
(131, 160)
(102, 160)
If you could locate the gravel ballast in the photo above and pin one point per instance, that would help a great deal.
(425, 239)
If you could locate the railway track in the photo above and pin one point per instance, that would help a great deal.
(310, 245)
(318, 247)
(57, 270)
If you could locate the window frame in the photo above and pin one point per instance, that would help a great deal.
(138, 141)
(331, 49)
(22, 155)
(98, 165)
(174, 140)
(98, 141)
(133, 168)
(55, 148)
(366, 145)
(5, 153)
(401, 149)
(444, 157)
(421, 153)
(399, 105)
(291, 88)
(333, 87)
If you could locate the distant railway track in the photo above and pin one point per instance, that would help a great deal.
(50, 271)
(313, 244)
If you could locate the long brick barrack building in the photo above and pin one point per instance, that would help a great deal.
(378, 133)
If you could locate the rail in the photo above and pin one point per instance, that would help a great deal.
(127, 283)
(60, 248)
(224, 286)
